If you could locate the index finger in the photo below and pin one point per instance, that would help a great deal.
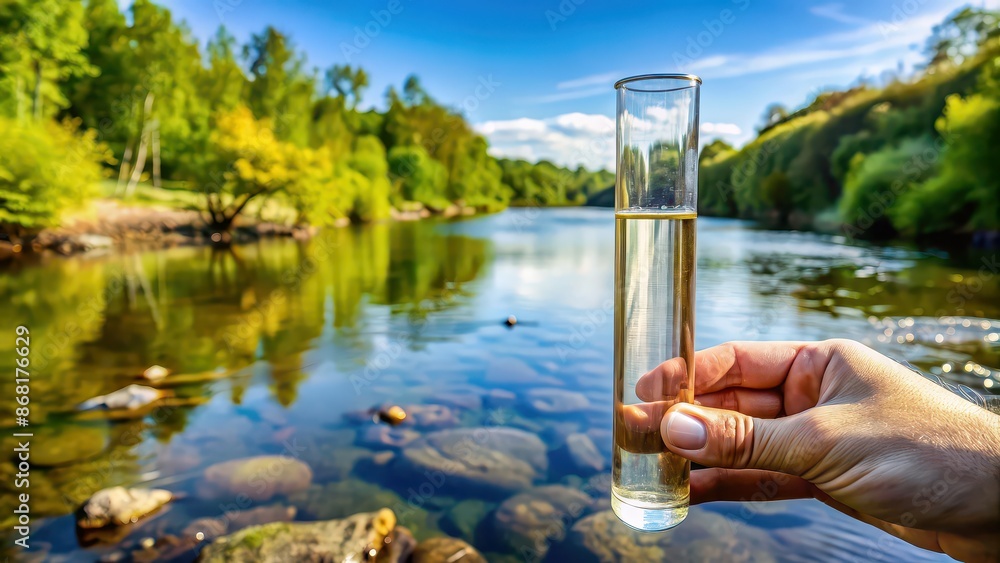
(751, 365)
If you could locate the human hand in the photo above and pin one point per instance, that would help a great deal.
(841, 423)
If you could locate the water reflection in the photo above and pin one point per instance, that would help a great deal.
(271, 344)
(97, 323)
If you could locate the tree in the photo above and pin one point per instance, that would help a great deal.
(369, 159)
(773, 115)
(960, 36)
(279, 88)
(223, 82)
(348, 82)
(255, 162)
(41, 43)
(715, 148)
(418, 177)
(966, 193)
(45, 169)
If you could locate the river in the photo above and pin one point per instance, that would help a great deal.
(275, 347)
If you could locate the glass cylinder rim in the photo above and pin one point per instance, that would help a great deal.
(624, 82)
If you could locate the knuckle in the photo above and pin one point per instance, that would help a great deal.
(735, 448)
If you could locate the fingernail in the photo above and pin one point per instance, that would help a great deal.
(686, 432)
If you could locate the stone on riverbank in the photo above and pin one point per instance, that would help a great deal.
(488, 461)
(346, 539)
(155, 373)
(529, 523)
(258, 478)
(119, 506)
(446, 550)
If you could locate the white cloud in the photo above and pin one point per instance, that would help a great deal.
(569, 139)
(724, 129)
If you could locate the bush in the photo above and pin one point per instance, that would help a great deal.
(876, 182)
(966, 194)
(45, 169)
(418, 177)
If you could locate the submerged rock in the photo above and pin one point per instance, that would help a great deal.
(343, 498)
(347, 539)
(704, 536)
(508, 372)
(131, 397)
(583, 456)
(466, 400)
(119, 506)
(207, 529)
(529, 523)
(401, 546)
(381, 437)
(490, 461)
(432, 416)
(556, 401)
(463, 518)
(258, 478)
(446, 550)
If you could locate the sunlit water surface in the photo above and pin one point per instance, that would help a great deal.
(273, 343)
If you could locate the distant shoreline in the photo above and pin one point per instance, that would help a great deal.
(112, 224)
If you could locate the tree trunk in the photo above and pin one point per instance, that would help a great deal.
(36, 99)
(125, 170)
(155, 145)
(140, 157)
(20, 98)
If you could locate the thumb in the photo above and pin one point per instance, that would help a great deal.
(722, 438)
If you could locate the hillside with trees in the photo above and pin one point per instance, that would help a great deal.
(913, 159)
(88, 91)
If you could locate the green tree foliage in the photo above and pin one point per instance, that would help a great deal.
(242, 123)
(45, 170)
(545, 183)
(41, 45)
(966, 193)
(876, 181)
(280, 89)
(418, 177)
(257, 163)
(912, 158)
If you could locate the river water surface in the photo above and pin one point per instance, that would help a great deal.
(275, 348)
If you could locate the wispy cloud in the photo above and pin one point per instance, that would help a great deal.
(570, 95)
(604, 79)
(872, 39)
(836, 13)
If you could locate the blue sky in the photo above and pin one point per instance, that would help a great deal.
(536, 77)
